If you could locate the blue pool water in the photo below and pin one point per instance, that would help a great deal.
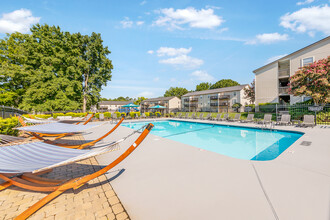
(239, 142)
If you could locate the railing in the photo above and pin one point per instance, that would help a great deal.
(224, 97)
(215, 97)
(7, 112)
(194, 99)
(214, 104)
(284, 73)
(186, 99)
(223, 103)
(284, 90)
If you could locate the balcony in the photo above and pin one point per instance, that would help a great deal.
(223, 104)
(215, 97)
(190, 105)
(194, 99)
(186, 100)
(214, 104)
(283, 73)
(224, 97)
(284, 90)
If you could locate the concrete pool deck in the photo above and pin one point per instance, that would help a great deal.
(165, 179)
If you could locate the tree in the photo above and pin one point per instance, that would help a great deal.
(94, 66)
(203, 86)
(51, 70)
(313, 81)
(249, 92)
(139, 100)
(224, 83)
(175, 91)
(237, 106)
(8, 98)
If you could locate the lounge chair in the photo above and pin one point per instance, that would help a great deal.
(143, 115)
(249, 118)
(224, 118)
(267, 119)
(237, 117)
(207, 117)
(6, 139)
(18, 170)
(66, 129)
(37, 121)
(185, 116)
(217, 117)
(101, 117)
(193, 116)
(285, 120)
(309, 121)
(179, 115)
(201, 116)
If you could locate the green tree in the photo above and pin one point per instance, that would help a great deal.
(224, 83)
(8, 98)
(203, 86)
(313, 81)
(51, 70)
(175, 91)
(250, 93)
(139, 100)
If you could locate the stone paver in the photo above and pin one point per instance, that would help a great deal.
(95, 200)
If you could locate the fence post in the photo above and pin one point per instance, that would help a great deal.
(3, 111)
(276, 111)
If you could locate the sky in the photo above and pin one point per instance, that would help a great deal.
(160, 44)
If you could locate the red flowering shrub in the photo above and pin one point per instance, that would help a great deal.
(313, 81)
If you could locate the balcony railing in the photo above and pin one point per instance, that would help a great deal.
(215, 97)
(223, 103)
(224, 97)
(214, 104)
(283, 90)
(194, 99)
(186, 99)
(284, 73)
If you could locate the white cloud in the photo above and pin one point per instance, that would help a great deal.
(184, 61)
(271, 59)
(19, 20)
(146, 94)
(268, 38)
(143, 2)
(139, 23)
(126, 23)
(305, 2)
(194, 18)
(170, 51)
(202, 76)
(150, 51)
(310, 19)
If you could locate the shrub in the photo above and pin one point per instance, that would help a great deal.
(147, 114)
(7, 125)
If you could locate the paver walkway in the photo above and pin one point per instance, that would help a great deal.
(95, 200)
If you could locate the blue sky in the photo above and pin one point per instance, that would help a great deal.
(158, 44)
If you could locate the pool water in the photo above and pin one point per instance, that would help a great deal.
(234, 141)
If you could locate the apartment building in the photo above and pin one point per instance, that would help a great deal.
(272, 79)
(214, 100)
(112, 106)
(171, 104)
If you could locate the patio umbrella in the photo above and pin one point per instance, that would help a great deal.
(157, 107)
(130, 105)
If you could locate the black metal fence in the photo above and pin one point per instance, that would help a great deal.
(7, 112)
(297, 112)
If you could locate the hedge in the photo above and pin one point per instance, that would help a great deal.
(7, 125)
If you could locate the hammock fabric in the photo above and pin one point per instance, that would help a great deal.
(27, 180)
(57, 128)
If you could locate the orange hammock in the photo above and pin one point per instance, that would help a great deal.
(53, 135)
(79, 146)
(31, 181)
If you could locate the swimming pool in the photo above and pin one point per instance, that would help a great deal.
(234, 141)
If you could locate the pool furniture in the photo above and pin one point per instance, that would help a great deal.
(224, 118)
(201, 116)
(178, 115)
(309, 121)
(267, 119)
(207, 116)
(101, 117)
(237, 117)
(185, 116)
(19, 170)
(249, 118)
(193, 116)
(217, 117)
(143, 115)
(6, 139)
(285, 120)
(67, 129)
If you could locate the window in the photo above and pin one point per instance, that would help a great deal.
(201, 97)
(208, 96)
(234, 93)
(234, 101)
(307, 61)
